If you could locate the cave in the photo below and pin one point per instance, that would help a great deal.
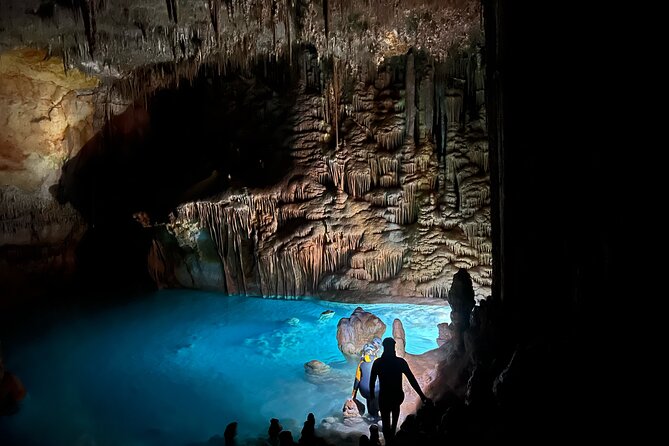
(211, 210)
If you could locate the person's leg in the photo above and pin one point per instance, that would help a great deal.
(396, 416)
(373, 408)
(385, 420)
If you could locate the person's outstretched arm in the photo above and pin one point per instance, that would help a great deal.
(372, 380)
(356, 383)
(414, 383)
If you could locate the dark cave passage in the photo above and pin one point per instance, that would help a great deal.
(210, 133)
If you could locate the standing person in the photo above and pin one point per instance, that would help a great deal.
(361, 383)
(389, 369)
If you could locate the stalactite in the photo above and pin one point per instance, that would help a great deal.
(410, 92)
(231, 229)
(456, 189)
(481, 244)
(172, 10)
(297, 269)
(291, 211)
(454, 102)
(358, 180)
(87, 8)
(214, 7)
(434, 289)
(337, 169)
(378, 265)
(388, 180)
(422, 162)
(427, 100)
(335, 90)
(480, 158)
(158, 264)
(391, 140)
(29, 219)
(288, 24)
(476, 228)
(326, 14)
(384, 170)
(479, 80)
(460, 248)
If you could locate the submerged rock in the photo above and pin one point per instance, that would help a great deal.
(316, 367)
(326, 315)
(293, 321)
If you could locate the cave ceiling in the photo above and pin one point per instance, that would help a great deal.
(111, 38)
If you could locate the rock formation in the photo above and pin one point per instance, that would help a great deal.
(45, 118)
(357, 330)
(400, 338)
(316, 367)
(375, 163)
(11, 391)
(461, 299)
(351, 413)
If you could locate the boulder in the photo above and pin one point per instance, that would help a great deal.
(351, 413)
(316, 367)
(357, 330)
(445, 333)
(326, 315)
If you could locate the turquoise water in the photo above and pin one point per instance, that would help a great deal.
(176, 367)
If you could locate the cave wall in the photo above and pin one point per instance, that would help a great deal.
(387, 190)
(389, 200)
(46, 117)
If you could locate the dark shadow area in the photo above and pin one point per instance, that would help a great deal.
(212, 132)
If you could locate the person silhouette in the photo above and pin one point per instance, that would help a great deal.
(273, 432)
(308, 434)
(389, 369)
(230, 434)
(362, 377)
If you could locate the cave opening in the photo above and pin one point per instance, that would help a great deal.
(179, 143)
(372, 153)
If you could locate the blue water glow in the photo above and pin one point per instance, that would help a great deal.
(175, 367)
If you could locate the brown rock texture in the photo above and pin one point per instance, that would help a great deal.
(114, 37)
(390, 200)
(46, 116)
(357, 330)
(387, 193)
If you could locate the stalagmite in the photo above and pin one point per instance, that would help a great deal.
(400, 338)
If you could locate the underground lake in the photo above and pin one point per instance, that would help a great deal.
(175, 367)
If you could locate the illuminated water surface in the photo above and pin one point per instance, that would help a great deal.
(176, 367)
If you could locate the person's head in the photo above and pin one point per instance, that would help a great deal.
(374, 432)
(368, 352)
(389, 346)
(286, 438)
(230, 431)
(274, 427)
